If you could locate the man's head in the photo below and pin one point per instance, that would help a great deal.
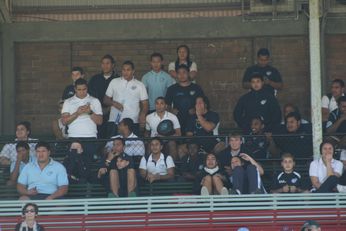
(193, 149)
(77, 73)
(337, 88)
(183, 73)
(310, 226)
(128, 70)
(156, 60)
(257, 125)
(118, 145)
(236, 161)
(81, 88)
(256, 82)
(292, 121)
(156, 146)
(289, 107)
(235, 141)
(342, 104)
(107, 64)
(76, 145)
(23, 130)
(23, 150)
(202, 102)
(160, 104)
(183, 52)
(126, 126)
(42, 152)
(287, 162)
(211, 161)
(263, 56)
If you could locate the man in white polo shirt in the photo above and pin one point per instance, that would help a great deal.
(128, 98)
(156, 166)
(82, 113)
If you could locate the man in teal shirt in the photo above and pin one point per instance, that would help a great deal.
(156, 81)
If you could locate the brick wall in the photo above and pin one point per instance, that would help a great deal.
(43, 70)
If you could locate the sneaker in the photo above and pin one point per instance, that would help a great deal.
(204, 191)
(341, 188)
(224, 191)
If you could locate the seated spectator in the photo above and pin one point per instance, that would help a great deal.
(58, 128)
(82, 113)
(329, 101)
(325, 171)
(122, 175)
(23, 158)
(183, 53)
(342, 181)
(245, 177)
(257, 142)
(155, 118)
(8, 154)
(77, 164)
(192, 163)
(287, 181)
(337, 121)
(156, 81)
(298, 141)
(29, 213)
(133, 146)
(272, 77)
(203, 123)
(44, 178)
(157, 166)
(76, 73)
(212, 178)
(257, 103)
(288, 108)
(181, 97)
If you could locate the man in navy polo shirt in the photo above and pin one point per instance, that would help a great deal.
(44, 178)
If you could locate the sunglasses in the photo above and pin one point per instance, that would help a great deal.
(30, 211)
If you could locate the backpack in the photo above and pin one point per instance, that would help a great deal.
(164, 156)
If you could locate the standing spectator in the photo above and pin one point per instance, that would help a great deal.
(183, 58)
(157, 166)
(212, 180)
(82, 113)
(44, 178)
(29, 213)
(98, 85)
(336, 121)
(122, 175)
(77, 164)
(76, 73)
(181, 97)
(23, 158)
(156, 81)
(298, 139)
(329, 101)
(257, 103)
(128, 98)
(257, 142)
(8, 154)
(272, 77)
(325, 171)
(287, 181)
(203, 123)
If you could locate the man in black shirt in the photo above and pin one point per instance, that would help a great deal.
(271, 75)
(76, 73)
(257, 103)
(181, 97)
(192, 163)
(98, 85)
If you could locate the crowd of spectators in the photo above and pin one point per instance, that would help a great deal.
(164, 107)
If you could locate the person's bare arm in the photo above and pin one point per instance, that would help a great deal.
(98, 119)
(56, 130)
(169, 175)
(144, 106)
(325, 114)
(272, 148)
(62, 190)
(206, 125)
(253, 162)
(315, 182)
(68, 118)
(336, 125)
(109, 102)
(177, 132)
(143, 173)
(14, 175)
(23, 191)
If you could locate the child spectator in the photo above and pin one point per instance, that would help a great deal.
(212, 178)
(287, 181)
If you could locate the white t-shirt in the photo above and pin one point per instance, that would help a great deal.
(193, 67)
(153, 119)
(159, 167)
(319, 170)
(129, 94)
(331, 104)
(83, 125)
(343, 154)
(132, 147)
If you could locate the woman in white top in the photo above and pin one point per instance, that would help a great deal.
(183, 57)
(325, 171)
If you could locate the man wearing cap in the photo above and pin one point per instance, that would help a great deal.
(272, 77)
(311, 226)
(257, 103)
